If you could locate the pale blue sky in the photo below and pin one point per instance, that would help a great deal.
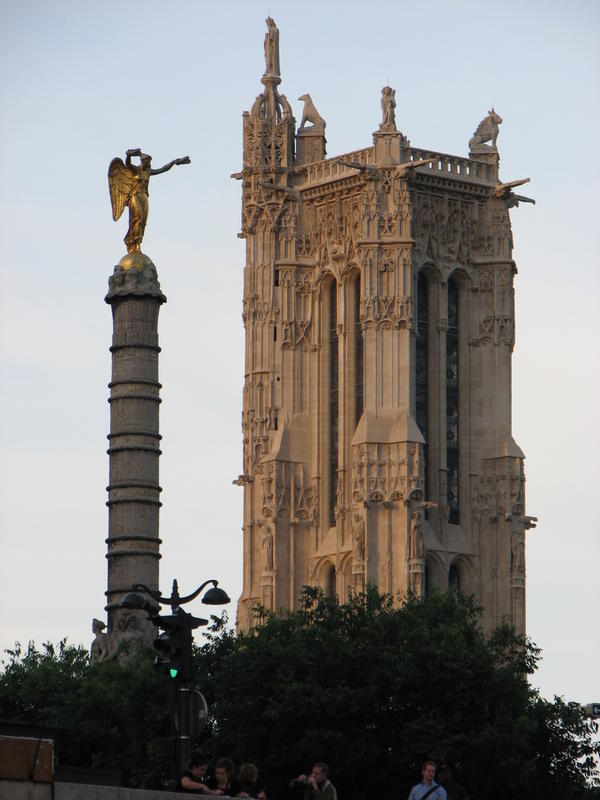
(82, 82)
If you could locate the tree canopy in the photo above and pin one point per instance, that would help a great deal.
(370, 688)
(374, 690)
(105, 716)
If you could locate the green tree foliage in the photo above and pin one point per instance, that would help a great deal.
(106, 716)
(374, 690)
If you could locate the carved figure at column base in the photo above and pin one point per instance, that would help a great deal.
(99, 650)
(130, 634)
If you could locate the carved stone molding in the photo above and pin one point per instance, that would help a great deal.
(386, 472)
(496, 305)
(139, 283)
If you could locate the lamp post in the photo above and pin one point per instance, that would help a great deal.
(188, 707)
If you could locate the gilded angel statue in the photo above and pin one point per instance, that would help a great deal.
(128, 186)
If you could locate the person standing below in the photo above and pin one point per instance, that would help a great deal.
(428, 787)
(316, 786)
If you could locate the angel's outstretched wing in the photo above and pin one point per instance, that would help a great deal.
(120, 183)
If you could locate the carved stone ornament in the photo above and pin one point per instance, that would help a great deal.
(358, 539)
(272, 67)
(128, 636)
(141, 282)
(388, 109)
(310, 113)
(487, 131)
(99, 650)
(416, 536)
(267, 549)
(416, 577)
(518, 550)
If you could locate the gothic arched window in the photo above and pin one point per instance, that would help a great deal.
(333, 400)
(359, 372)
(452, 421)
(454, 578)
(422, 366)
(331, 582)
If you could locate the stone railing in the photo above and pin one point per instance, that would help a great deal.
(331, 169)
(444, 165)
(455, 166)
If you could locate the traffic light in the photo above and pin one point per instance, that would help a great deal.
(174, 645)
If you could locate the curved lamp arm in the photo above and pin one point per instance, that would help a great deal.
(198, 590)
(140, 587)
(174, 600)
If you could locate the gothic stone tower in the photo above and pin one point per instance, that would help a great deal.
(379, 320)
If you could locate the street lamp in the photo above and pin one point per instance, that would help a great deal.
(135, 600)
(188, 709)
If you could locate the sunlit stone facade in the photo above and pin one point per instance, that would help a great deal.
(379, 319)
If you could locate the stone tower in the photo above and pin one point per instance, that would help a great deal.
(379, 320)
(134, 446)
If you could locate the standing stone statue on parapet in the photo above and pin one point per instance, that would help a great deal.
(128, 186)
(388, 108)
(272, 48)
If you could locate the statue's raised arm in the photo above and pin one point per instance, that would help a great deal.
(128, 186)
(167, 167)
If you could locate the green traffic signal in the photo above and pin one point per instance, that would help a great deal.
(175, 644)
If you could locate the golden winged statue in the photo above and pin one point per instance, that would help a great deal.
(128, 186)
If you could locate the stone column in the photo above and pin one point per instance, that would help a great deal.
(133, 492)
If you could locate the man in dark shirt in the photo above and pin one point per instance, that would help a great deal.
(192, 780)
(316, 786)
